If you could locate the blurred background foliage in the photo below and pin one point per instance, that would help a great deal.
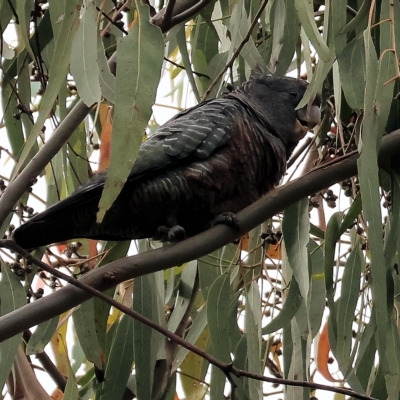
(310, 295)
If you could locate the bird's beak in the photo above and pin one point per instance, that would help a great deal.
(307, 117)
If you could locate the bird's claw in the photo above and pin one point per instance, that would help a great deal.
(171, 234)
(226, 218)
(176, 234)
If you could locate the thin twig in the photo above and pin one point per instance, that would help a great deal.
(199, 74)
(183, 16)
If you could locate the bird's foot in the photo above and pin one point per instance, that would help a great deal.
(226, 218)
(171, 234)
(176, 234)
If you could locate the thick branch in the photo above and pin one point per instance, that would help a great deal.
(177, 13)
(192, 248)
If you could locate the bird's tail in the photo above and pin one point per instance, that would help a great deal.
(43, 230)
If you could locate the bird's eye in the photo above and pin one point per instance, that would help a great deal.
(293, 93)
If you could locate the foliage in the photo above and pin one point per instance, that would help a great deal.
(307, 282)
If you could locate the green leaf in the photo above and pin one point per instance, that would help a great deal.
(84, 66)
(317, 294)
(287, 28)
(346, 306)
(239, 25)
(217, 383)
(239, 362)
(193, 370)
(316, 83)
(252, 326)
(196, 331)
(332, 235)
(352, 72)
(41, 336)
(181, 41)
(14, 130)
(107, 79)
(23, 10)
(369, 186)
(12, 297)
(351, 215)
(217, 316)
(146, 341)
(211, 266)
(6, 13)
(366, 353)
(387, 70)
(305, 14)
(360, 20)
(71, 388)
(139, 59)
(187, 284)
(76, 167)
(339, 15)
(120, 359)
(392, 228)
(64, 19)
(289, 309)
(85, 329)
(395, 16)
(295, 229)
(392, 352)
(297, 368)
(278, 22)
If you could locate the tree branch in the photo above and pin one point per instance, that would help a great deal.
(192, 248)
(183, 10)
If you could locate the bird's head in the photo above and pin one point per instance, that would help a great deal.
(275, 99)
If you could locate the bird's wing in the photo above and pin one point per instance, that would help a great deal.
(192, 134)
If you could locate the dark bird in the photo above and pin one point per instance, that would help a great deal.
(213, 159)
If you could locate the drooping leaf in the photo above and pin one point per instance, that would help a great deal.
(41, 336)
(12, 297)
(120, 358)
(84, 65)
(352, 72)
(64, 20)
(295, 228)
(217, 316)
(139, 60)
(85, 328)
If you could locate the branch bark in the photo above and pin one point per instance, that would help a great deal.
(177, 12)
(192, 248)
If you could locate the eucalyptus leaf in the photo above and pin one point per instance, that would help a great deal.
(12, 297)
(217, 316)
(84, 65)
(139, 61)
